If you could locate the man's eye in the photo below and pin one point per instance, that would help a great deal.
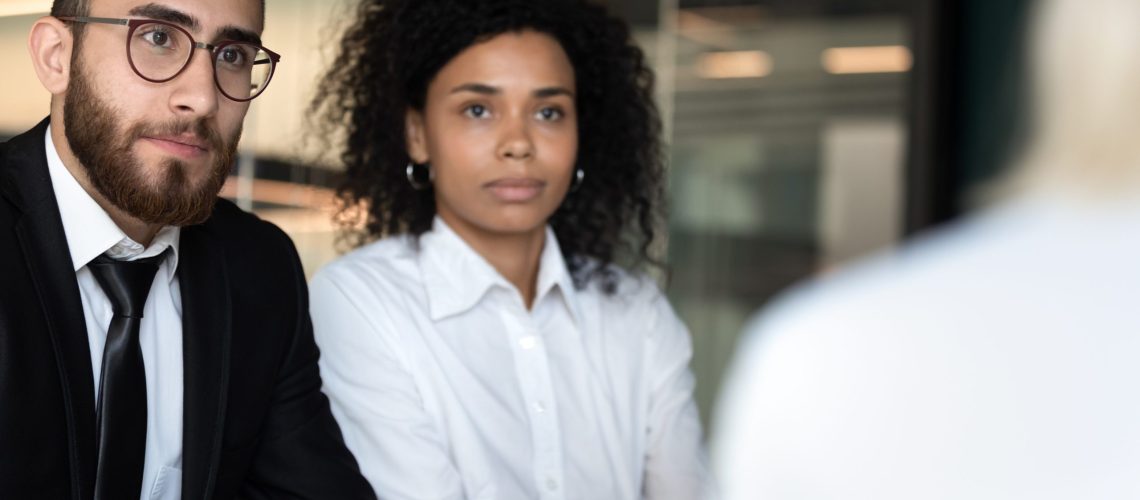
(157, 38)
(232, 56)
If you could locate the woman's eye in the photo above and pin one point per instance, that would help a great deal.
(476, 111)
(550, 114)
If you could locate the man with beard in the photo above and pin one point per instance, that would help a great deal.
(154, 342)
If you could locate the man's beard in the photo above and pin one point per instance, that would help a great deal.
(105, 151)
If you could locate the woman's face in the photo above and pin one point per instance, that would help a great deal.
(500, 131)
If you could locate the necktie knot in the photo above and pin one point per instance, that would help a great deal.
(126, 283)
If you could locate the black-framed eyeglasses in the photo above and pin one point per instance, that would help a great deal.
(159, 51)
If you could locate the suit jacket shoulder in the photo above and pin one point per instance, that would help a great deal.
(47, 413)
(278, 436)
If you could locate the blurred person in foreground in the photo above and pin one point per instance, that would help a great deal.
(155, 341)
(995, 359)
(499, 340)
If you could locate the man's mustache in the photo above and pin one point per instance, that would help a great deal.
(200, 130)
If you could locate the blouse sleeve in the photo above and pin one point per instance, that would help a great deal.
(676, 466)
(374, 397)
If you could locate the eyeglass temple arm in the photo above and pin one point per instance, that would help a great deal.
(100, 20)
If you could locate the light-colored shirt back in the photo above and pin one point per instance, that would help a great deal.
(447, 387)
(995, 360)
(90, 233)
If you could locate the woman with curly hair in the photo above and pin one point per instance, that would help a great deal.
(494, 336)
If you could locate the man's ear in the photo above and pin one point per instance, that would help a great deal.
(50, 44)
(416, 136)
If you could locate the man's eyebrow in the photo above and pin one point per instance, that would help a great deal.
(164, 13)
(478, 88)
(237, 34)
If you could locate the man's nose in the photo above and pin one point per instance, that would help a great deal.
(195, 91)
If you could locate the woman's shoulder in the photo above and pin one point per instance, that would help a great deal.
(374, 267)
(635, 295)
(616, 284)
(635, 322)
(369, 292)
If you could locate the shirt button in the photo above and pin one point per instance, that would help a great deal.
(552, 485)
(539, 407)
(528, 342)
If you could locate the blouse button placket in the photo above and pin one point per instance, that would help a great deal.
(538, 393)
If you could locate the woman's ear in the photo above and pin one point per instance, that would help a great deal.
(50, 44)
(416, 136)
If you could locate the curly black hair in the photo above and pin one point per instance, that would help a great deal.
(392, 51)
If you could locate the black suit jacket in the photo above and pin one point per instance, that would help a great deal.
(255, 423)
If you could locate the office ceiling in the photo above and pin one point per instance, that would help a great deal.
(645, 12)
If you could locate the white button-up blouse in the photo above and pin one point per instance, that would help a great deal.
(447, 387)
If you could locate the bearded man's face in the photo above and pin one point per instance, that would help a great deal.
(159, 152)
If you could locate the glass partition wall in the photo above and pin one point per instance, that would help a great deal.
(788, 133)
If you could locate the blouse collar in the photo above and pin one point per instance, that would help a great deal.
(457, 277)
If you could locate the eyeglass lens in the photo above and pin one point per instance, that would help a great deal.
(159, 52)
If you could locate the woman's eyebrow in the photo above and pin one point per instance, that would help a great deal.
(553, 91)
(482, 88)
(478, 88)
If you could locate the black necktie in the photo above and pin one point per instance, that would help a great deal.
(121, 412)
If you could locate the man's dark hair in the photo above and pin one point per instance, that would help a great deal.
(70, 7)
(395, 48)
(74, 8)
(82, 8)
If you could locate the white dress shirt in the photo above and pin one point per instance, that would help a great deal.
(447, 387)
(90, 233)
(995, 360)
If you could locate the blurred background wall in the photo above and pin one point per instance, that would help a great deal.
(803, 133)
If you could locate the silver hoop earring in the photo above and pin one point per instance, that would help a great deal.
(410, 173)
(579, 176)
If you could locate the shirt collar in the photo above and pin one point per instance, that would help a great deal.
(90, 231)
(457, 277)
(553, 275)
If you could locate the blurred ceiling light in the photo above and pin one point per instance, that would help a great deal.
(736, 64)
(855, 60)
(9, 8)
(734, 15)
(704, 30)
(691, 21)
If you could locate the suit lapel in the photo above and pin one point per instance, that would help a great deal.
(44, 245)
(206, 322)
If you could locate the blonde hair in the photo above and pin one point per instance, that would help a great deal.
(1085, 73)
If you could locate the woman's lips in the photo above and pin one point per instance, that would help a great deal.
(515, 190)
(182, 147)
